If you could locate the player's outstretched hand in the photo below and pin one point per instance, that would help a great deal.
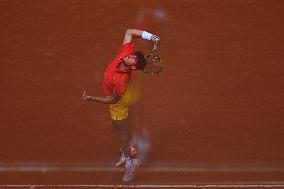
(86, 97)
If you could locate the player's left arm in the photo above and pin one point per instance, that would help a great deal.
(114, 98)
(130, 33)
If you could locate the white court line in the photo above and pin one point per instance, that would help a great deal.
(153, 186)
(153, 168)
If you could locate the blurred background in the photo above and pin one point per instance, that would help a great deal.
(217, 104)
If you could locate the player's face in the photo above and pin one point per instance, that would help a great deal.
(130, 60)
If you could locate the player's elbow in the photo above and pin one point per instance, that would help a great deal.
(113, 99)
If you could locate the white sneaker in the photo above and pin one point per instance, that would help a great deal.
(130, 166)
(121, 161)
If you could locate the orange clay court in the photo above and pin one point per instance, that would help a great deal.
(212, 119)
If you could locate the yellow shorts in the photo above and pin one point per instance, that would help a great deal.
(119, 110)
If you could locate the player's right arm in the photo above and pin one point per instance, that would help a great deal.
(114, 98)
(130, 33)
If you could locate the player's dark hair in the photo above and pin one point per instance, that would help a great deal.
(141, 60)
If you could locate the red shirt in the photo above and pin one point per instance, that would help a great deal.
(115, 80)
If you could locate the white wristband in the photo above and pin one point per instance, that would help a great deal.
(146, 35)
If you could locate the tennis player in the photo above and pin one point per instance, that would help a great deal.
(116, 78)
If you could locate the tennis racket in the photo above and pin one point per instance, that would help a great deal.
(154, 63)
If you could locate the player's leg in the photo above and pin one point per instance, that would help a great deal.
(125, 136)
(119, 115)
(131, 162)
(117, 133)
(122, 132)
(120, 122)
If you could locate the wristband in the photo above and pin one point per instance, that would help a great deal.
(146, 35)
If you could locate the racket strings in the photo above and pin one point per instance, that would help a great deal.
(154, 64)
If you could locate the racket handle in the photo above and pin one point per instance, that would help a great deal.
(155, 46)
(156, 43)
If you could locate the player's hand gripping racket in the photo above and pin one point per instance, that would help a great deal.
(154, 63)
